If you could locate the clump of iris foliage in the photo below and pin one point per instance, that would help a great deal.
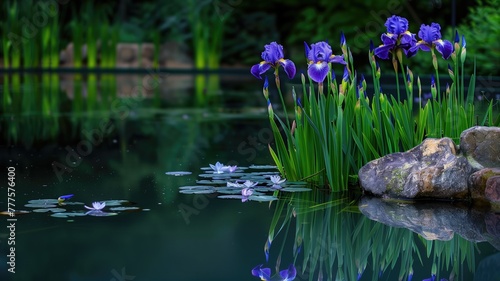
(337, 127)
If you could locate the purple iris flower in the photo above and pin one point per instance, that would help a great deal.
(288, 274)
(273, 57)
(262, 273)
(319, 55)
(397, 37)
(430, 36)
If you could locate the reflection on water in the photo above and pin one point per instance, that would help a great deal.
(333, 241)
(102, 137)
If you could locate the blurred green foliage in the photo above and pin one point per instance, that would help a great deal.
(482, 33)
(249, 25)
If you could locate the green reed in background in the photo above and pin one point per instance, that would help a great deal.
(207, 28)
(337, 127)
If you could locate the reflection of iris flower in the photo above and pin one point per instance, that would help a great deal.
(289, 273)
(273, 57)
(96, 206)
(264, 274)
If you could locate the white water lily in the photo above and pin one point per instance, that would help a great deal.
(249, 184)
(246, 184)
(218, 168)
(234, 184)
(276, 180)
(96, 206)
(230, 169)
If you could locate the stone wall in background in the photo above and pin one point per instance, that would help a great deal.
(139, 55)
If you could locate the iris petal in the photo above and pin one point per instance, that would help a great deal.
(259, 69)
(337, 59)
(444, 47)
(318, 71)
(272, 52)
(396, 25)
(388, 39)
(383, 51)
(289, 67)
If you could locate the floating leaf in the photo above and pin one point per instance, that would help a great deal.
(230, 196)
(53, 210)
(40, 205)
(295, 189)
(211, 182)
(197, 189)
(43, 201)
(229, 190)
(178, 173)
(124, 208)
(110, 203)
(263, 167)
(262, 198)
(67, 215)
(100, 214)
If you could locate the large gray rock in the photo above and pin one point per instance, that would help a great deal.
(481, 145)
(477, 181)
(430, 170)
(492, 192)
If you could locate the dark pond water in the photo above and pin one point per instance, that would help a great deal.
(95, 138)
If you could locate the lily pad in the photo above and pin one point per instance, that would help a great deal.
(33, 205)
(67, 215)
(229, 190)
(43, 201)
(110, 203)
(53, 210)
(124, 208)
(230, 196)
(262, 198)
(295, 189)
(178, 173)
(211, 182)
(72, 203)
(263, 167)
(100, 214)
(197, 189)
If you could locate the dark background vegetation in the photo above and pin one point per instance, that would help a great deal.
(248, 25)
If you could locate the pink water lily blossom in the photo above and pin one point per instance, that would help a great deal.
(96, 206)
